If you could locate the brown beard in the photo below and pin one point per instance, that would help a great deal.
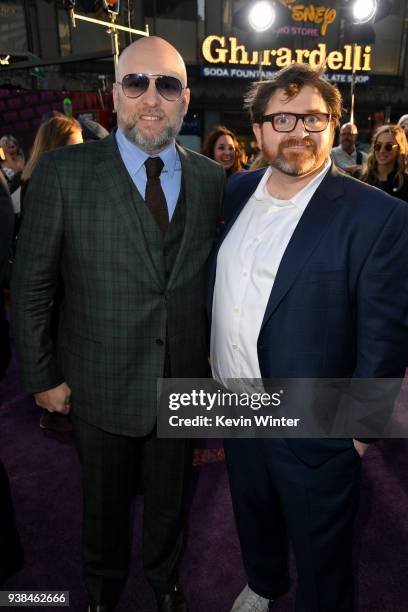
(296, 164)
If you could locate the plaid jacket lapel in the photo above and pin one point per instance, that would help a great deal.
(191, 181)
(118, 187)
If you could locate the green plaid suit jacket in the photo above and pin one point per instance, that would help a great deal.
(83, 220)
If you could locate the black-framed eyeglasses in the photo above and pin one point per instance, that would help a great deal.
(287, 122)
(388, 146)
(135, 85)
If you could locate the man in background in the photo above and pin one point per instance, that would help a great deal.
(346, 155)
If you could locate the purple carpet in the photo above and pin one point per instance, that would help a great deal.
(44, 475)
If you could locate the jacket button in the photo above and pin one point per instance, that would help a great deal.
(159, 342)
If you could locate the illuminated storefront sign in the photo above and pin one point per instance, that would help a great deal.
(220, 50)
(309, 13)
(228, 72)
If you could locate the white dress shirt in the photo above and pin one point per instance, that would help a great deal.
(247, 264)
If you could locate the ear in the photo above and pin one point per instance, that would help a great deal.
(257, 130)
(186, 99)
(332, 131)
(115, 94)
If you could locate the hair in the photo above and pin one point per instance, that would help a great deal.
(9, 138)
(402, 119)
(292, 79)
(211, 140)
(52, 134)
(4, 140)
(371, 175)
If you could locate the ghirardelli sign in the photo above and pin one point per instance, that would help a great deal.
(223, 50)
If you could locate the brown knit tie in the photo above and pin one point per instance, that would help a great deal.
(155, 198)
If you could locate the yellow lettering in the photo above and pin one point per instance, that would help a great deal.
(235, 49)
(309, 13)
(284, 57)
(367, 58)
(347, 57)
(318, 56)
(255, 58)
(301, 53)
(329, 17)
(297, 12)
(215, 50)
(335, 60)
(357, 58)
(319, 14)
(217, 55)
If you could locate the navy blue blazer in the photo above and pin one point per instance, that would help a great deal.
(339, 304)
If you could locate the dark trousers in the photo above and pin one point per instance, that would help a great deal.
(276, 496)
(111, 466)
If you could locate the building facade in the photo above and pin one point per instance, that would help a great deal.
(41, 51)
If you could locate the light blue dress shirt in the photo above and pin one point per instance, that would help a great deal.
(134, 158)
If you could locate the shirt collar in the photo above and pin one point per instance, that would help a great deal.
(138, 156)
(300, 199)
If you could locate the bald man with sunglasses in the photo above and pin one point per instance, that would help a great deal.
(128, 221)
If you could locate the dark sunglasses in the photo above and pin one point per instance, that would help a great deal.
(388, 146)
(135, 85)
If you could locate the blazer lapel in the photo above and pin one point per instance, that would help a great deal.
(118, 187)
(309, 231)
(191, 182)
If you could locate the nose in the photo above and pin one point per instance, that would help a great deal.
(300, 131)
(151, 95)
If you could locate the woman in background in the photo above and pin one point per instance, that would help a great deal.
(57, 131)
(387, 161)
(222, 146)
(11, 160)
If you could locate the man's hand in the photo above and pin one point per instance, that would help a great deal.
(360, 447)
(55, 400)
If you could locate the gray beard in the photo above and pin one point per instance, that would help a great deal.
(156, 143)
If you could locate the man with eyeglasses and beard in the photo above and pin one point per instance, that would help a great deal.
(309, 280)
(129, 222)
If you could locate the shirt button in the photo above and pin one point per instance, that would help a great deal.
(236, 310)
(234, 346)
(159, 341)
(245, 274)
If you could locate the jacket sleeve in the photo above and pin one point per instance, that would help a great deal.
(382, 329)
(382, 309)
(35, 276)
